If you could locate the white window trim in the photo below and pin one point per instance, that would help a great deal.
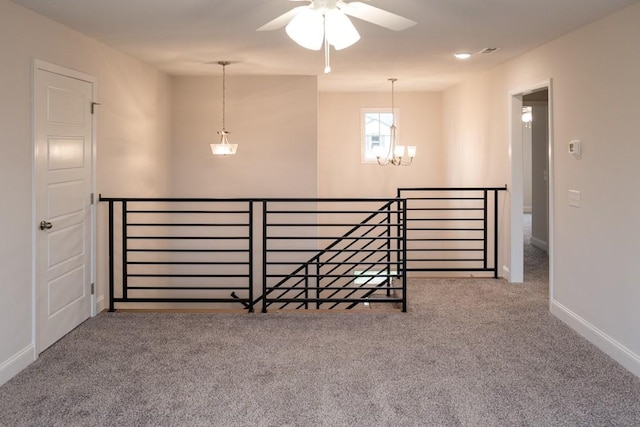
(363, 142)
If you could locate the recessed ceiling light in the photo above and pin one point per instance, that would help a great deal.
(462, 55)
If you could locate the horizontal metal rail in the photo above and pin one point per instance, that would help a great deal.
(315, 253)
(452, 229)
(350, 269)
(186, 250)
(180, 251)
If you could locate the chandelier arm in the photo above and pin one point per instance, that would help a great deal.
(385, 163)
(396, 153)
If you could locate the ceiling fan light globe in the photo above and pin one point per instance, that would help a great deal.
(340, 31)
(307, 29)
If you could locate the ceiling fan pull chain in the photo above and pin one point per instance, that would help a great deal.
(327, 59)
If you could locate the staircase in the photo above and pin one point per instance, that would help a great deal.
(356, 265)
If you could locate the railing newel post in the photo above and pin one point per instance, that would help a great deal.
(264, 256)
(495, 235)
(485, 226)
(111, 258)
(404, 256)
(251, 251)
(125, 269)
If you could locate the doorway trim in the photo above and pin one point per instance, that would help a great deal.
(67, 72)
(516, 273)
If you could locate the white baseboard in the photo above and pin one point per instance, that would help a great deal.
(506, 273)
(540, 244)
(613, 348)
(16, 363)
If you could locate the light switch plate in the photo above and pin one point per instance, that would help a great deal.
(575, 198)
(575, 147)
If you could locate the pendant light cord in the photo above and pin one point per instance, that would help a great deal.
(393, 104)
(224, 92)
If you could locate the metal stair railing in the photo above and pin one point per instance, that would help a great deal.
(180, 250)
(174, 251)
(315, 260)
(452, 229)
(348, 252)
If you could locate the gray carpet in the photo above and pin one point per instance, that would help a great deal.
(471, 352)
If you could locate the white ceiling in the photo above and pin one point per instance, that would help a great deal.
(188, 37)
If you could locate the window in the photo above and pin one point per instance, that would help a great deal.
(376, 132)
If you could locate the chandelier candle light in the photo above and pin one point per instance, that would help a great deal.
(396, 152)
(223, 148)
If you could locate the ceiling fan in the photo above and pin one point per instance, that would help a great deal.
(327, 21)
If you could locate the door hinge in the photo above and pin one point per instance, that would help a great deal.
(93, 289)
(93, 107)
(92, 198)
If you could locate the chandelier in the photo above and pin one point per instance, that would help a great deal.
(396, 152)
(223, 148)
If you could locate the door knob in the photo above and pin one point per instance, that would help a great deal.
(45, 225)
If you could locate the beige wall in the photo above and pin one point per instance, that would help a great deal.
(273, 121)
(133, 133)
(340, 171)
(596, 87)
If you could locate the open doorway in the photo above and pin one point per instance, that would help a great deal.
(536, 167)
(532, 179)
(535, 138)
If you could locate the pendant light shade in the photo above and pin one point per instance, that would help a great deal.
(223, 148)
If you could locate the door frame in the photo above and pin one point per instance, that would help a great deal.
(516, 273)
(35, 289)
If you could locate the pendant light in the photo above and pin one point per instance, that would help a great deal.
(396, 152)
(223, 148)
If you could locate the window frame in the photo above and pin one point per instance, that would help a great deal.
(364, 159)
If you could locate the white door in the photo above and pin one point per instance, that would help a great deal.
(63, 160)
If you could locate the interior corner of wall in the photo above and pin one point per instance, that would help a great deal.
(506, 273)
(16, 363)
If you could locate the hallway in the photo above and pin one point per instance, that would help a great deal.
(536, 262)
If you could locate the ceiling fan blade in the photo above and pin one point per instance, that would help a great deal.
(281, 20)
(376, 15)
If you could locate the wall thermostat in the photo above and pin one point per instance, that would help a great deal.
(574, 147)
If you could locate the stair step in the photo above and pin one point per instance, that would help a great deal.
(364, 277)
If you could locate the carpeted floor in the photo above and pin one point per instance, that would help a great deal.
(471, 352)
